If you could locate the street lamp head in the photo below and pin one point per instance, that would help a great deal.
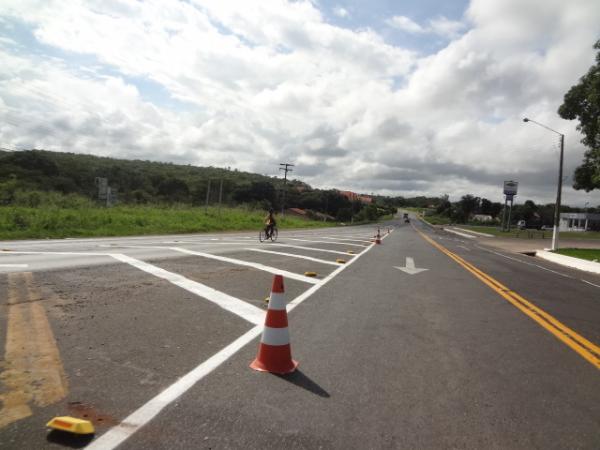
(525, 119)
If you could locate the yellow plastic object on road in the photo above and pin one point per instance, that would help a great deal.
(340, 261)
(310, 274)
(350, 252)
(72, 425)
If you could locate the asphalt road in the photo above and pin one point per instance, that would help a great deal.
(151, 339)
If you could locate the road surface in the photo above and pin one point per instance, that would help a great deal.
(151, 338)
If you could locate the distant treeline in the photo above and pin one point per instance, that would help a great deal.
(471, 209)
(41, 178)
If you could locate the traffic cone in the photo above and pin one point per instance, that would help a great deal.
(274, 352)
(378, 237)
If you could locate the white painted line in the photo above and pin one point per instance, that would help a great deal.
(10, 252)
(328, 242)
(9, 266)
(240, 262)
(293, 255)
(314, 249)
(462, 246)
(239, 307)
(470, 236)
(132, 423)
(345, 239)
(589, 282)
(524, 262)
(475, 232)
(118, 434)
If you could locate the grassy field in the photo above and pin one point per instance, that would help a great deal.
(583, 253)
(52, 222)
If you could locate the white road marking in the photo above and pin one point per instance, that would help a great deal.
(232, 304)
(328, 242)
(470, 236)
(293, 255)
(410, 267)
(13, 265)
(11, 252)
(462, 246)
(588, 282)
(144, 414)
(524, 262)
(240, 262)
(308, 248)
(345, 239)
(118, 434)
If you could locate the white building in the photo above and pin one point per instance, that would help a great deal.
(579, 222)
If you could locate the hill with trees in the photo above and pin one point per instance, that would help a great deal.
(34, 177)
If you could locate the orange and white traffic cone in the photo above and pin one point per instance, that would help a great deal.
(378, 237)
(275, 352)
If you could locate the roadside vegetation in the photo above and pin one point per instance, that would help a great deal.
(50, 195)
(52, 222)
(582, 253)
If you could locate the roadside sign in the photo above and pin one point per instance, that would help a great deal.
(102, 184)
(510, 188)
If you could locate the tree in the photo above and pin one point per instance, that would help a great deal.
(467, 205)
(582, 102)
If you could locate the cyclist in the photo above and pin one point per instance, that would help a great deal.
(270, 223)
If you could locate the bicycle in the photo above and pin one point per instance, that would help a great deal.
(263, 236)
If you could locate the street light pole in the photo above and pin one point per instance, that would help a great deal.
(556, 228)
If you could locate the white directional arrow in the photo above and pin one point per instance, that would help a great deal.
(410, 267)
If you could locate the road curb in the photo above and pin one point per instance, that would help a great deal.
(569, 261)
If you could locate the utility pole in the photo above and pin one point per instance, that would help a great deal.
(220, 194)
(286, 168)
(556, 229)
(207, 197)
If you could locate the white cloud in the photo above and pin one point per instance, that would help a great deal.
(341, 12)
(441, 26)
(446, 27)
(405, 24)
(269, 80)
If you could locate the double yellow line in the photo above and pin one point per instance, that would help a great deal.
(588, 350)
(32, 371)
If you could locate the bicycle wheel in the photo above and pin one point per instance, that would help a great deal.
(274, 235)
(262, 236)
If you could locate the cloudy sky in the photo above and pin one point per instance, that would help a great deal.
(387, 96)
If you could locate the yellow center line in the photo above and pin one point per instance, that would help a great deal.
(32, 370)
(588, 350)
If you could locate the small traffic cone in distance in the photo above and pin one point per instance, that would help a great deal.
(274, 352)
(378, 236)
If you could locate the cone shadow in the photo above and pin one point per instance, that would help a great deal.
(301, 380)
(69, 439)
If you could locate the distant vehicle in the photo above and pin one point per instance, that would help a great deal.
(406, 219)
(521, 224)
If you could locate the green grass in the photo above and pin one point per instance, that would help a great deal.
(590, 254)
(434, 219)
(53, 222)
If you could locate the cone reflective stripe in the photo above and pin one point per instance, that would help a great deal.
(274, 352)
